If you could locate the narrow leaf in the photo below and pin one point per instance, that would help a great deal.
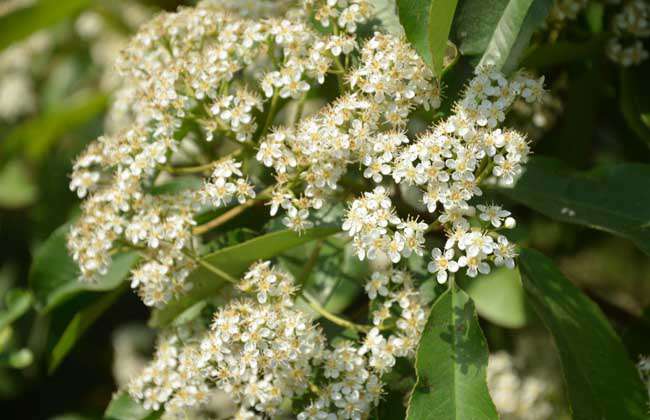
(123, 407)
(602, 383)
(427, 24)
(79, 324)
(451, 364)
(54, 276)
(24, 21)
(519, 20)
(613, 198)
(234, 261)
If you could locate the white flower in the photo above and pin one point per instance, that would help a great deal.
(442, 264)
(475, 264)
(377, 285)
(476, 242)
(493, 214)
(504, 252)
(297, 219)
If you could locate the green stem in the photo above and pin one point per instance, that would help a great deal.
(271, 115)
(313, 303)
(201, 168)
(297, 115)
(211, 268)
(313, 258)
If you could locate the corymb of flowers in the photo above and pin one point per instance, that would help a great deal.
(313, 112)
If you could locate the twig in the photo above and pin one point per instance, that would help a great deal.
(313, 303)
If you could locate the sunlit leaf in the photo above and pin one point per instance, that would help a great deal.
(613, 198)
(177, 185)
(499, 297)
(451, 364)
(427, 24)
(234, 261)
(602, 383)
(507, 27)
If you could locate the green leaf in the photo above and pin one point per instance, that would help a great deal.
(391, 406)
(54, 276)
(17, 302)
(334, 276)
(427, 24)
(24, 21)
(234, 261)
(123, 407)
(79, 324)
(613, 198)
(602, 383)
(511, 35)
(499, 297)
(635, 101)
(474, 24)
(37, 135)
(177, 185)
(451, 364)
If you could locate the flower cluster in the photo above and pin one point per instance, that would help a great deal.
(346, 14)
(118, 209)
(447, 164)
(315, 154)
(396, 299)
(203, 91)
(234, 113)
(189, 78)
(261, 351)
(376, 229)
(630, 25)
(218, 190)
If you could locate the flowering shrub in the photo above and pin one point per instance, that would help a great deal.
(305, 195)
